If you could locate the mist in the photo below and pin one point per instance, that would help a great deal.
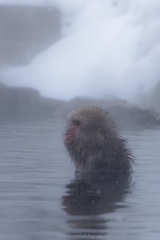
(108, 49)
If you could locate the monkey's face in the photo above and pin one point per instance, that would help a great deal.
(71, 132)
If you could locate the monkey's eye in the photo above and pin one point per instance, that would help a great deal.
(76, 122)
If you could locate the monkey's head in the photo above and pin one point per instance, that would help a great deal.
(89, 130)
(93, 143)
(86, 122)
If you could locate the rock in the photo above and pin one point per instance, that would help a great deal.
(26, 104)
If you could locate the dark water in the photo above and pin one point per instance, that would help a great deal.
(40, 198)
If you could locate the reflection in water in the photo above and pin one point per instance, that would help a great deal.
(91, 195)
(34, 172)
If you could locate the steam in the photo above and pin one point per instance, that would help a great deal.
(108, 49)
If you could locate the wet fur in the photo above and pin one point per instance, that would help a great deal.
(96, 145)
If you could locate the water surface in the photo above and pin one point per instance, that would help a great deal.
(41, 199)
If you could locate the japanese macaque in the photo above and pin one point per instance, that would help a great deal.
(93, 144)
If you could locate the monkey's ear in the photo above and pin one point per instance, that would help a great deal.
(76, 122)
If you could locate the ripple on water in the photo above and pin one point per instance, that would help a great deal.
(40, 199)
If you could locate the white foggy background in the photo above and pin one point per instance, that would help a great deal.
(108, 49)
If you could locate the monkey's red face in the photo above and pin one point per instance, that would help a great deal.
(70, 133)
